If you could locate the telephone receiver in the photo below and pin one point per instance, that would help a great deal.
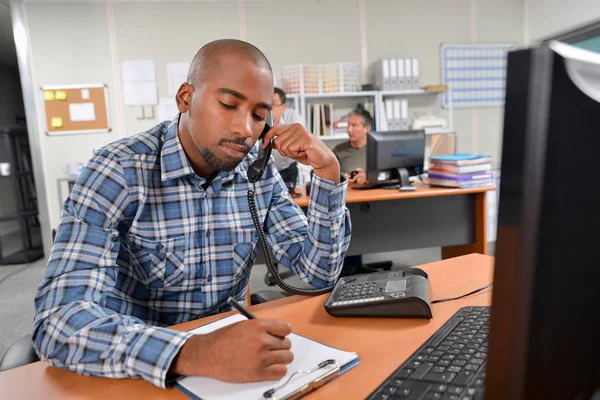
(257, 169)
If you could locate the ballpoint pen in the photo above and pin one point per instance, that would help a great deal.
(240, 308)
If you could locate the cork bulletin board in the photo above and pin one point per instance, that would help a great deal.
(74, 109)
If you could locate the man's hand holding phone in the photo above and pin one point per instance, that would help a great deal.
(358, 176)
(295, 142)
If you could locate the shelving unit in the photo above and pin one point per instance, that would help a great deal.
(377, 97)
(23, 189)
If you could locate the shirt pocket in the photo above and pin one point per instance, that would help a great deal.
(244, 243)
(158, 263)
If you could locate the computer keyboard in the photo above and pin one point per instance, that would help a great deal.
(449, 366)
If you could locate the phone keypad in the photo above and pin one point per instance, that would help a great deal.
(358, 293)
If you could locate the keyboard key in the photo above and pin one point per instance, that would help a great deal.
(463, 357)
(389, 389)
(403, 373)
(463, 377)
(433, 396)
(453, 368)
(382, 396)
(416, 389)
(477, 361)
(450, 397)
(439, 388)
(444, 377)
(438, 368)
(460, 363)
(454, 390)
(431, 359)
(444, 363)
(420, 372)
(471, 367)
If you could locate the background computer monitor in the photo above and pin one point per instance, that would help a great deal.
(545, 323)
(394, 156)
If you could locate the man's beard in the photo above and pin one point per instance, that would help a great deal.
(217, 164)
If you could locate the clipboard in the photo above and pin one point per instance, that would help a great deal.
(305, 374)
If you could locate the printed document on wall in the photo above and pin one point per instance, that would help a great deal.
(139, 83)
(176, 75)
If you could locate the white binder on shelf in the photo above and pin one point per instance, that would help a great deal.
(393, 75)
(408, 73)
(404, 114)
(397, 115)
(389, 112)
(415, 71)
(382, 74)
(401, 74)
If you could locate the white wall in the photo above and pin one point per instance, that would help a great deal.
(546, 18)
(71, 45)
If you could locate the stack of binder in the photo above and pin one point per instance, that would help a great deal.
(461, 171)
(397, 73)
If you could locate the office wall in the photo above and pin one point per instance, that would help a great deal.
(71, 43)
(546, 18)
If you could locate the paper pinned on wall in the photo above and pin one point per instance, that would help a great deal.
(176, 75)
(85, 94)
(139, 83)
(140, 94)
(166, 109)
(82, 112)
(139, 71)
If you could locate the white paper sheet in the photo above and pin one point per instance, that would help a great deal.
(140, 94)
(166, 109)
(139, 83)
(81, 112)
(139, 71)
(307, 355)
(176, 75)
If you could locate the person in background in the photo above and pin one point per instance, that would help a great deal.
(282, 115)
(352, 155)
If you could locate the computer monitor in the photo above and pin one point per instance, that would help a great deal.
(393, 156)
(545, 322)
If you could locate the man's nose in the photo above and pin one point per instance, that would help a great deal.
(242, 125)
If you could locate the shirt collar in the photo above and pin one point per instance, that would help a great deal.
(175, 164)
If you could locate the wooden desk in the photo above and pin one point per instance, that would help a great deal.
(390, 220)
(382, 344)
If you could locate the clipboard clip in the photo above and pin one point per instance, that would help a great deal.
(309, 387)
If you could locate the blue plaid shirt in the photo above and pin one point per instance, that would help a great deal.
(141, 246)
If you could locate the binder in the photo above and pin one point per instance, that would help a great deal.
(382, 74)
(408, 72)
(401, 74)
(415, 71)
(404, 114)
(397, 115)
(389, 112)
(318, 365)
(393, 75)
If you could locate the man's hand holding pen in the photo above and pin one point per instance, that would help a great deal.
(247, 351)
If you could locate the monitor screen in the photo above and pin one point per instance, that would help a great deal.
(387, 152)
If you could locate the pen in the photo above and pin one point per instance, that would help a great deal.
(240, 308)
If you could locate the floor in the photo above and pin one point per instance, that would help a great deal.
(18, 284)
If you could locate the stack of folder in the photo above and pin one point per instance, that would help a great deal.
(461, 170)
(397, 73)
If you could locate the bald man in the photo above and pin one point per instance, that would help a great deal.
(157, 231)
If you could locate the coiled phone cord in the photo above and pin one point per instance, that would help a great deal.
(269, 256)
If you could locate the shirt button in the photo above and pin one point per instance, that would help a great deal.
(207, 233)
(159, 247)
(209, 278)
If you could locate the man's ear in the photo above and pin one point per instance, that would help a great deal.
(184, 97)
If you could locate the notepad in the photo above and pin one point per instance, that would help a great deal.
(308, 354)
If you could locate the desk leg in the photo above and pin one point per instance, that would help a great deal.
(480, 245)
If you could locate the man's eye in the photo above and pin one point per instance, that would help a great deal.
(227, 106)
(259, 117)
